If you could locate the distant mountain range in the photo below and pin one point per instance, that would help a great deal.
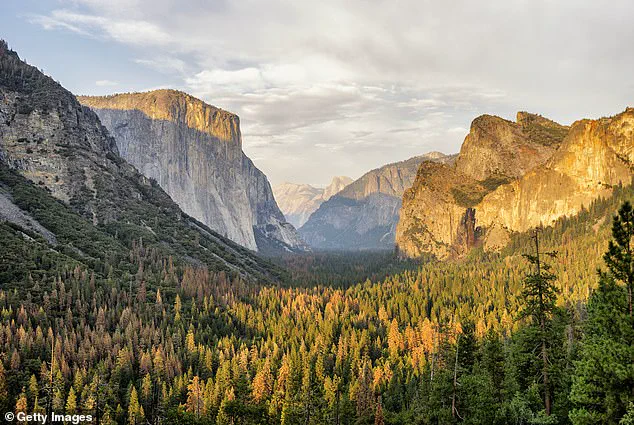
(299, 201)
(365, 213)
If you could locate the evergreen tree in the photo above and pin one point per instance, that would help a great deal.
(195, 397)
(22, 404)
(603, 383)
(4, 390)
(71, 402)
(136, 414)
(619, 255)
(540, 295)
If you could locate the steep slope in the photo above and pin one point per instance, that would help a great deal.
(299, 201)
(595, 156)
(535, 176)
(435, 211)
(364, 214)
(60, 146)
(194, 152)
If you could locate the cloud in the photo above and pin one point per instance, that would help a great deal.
(163, 64)
(337, 87)
(106, 83)
(245, 79)
(135, 32)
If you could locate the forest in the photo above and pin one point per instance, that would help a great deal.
(540, 333)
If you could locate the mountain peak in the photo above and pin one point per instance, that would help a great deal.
(299, 200)
(499, 147)
(337, 184)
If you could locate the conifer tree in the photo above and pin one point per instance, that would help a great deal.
(619, 255)
(603, 383)
(71, 402)
(4, 390)
(22, 405)
(136, 414)
(539, 295)
(195, 397)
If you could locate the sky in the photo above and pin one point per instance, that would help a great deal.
(330, 87)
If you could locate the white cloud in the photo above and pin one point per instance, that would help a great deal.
(106, 83)
(338, 87)
(135, 32)
(164, 64)
(245, 79)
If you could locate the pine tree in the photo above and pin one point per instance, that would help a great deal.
(539, 295)
(33, 389)
(4, 390)
(223, 418)
(619, 255)
(394, 340)
(146, 389)
(603, 382)
(364, 392)
(378, 415)
(196, 397)
(136, 415)
(71, 402)
(22, 404)
(263, 383)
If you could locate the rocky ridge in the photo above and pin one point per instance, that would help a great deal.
(365, 213)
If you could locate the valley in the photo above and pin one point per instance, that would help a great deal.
(150, 273)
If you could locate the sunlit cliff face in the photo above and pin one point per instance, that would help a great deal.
(516, 178)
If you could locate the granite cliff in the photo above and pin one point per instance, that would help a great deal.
(63, 150)
(365, 213)
(511, 177)
(299, 201)
(194, 151)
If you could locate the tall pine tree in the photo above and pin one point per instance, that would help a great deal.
(540, 295)
(603, 384)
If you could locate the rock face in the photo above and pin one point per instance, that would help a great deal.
(194, 151)
(365, 213)
(595, 156)
(299, 201)
(513, 177)
(47, 136)
(499, 148)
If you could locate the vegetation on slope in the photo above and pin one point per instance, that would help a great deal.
(154, 338)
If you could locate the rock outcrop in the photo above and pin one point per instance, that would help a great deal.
(194, 151)
(499, 148)
(47, 136)
(595, 156)
(365, 213)
(511, 177)
(299, 201)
